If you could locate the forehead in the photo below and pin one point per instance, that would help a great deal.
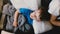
(41, 9)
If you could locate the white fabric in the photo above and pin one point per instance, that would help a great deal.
(40, 27)
(54, 7)
(5, 32)
(30, 4)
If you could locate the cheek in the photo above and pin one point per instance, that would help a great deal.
(38, 14)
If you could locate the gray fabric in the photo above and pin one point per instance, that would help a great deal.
(8, 10)
(21, 21)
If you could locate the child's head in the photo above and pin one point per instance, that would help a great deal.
(41, 9)
(39, 12)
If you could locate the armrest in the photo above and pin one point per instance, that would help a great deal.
(2, 21)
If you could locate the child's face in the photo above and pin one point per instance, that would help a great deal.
(38, 13)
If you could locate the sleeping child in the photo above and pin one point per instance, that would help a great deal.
(26, 7)
(39, 25)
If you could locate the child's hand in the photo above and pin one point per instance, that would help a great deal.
(15, 24)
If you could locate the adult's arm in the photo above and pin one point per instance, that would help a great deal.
(54, 21)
